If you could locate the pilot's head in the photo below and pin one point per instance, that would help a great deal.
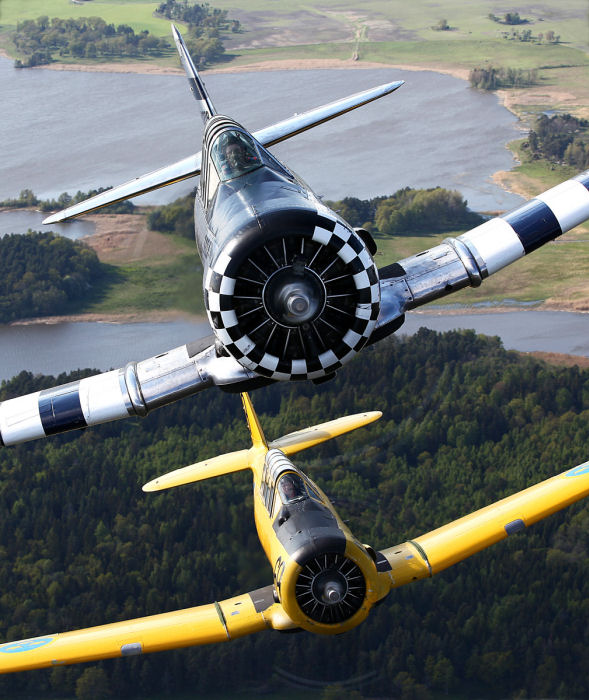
(235, 153)
(233, 150)
(288, 487)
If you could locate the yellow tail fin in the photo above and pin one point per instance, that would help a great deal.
(258, 439)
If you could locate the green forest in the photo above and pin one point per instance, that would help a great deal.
(27, 198)
(560, 138)
(43, 274)
(44, 40)
(464, 423)
(496, 77)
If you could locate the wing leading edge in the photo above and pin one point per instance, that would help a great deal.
(190, 166)
(205, 624)
(439, 549)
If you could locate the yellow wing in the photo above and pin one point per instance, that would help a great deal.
(216, 466)
(308, 437)
(217, 622)
(437, 550)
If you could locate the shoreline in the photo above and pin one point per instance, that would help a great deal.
(276, 64)
(171, 315)
(168, 316)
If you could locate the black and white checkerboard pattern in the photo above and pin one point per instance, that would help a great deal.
(347, 245)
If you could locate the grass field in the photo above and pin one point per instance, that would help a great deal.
(136, 13)
(164, 275)
(558, 272)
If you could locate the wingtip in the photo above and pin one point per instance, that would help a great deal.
(53, 219)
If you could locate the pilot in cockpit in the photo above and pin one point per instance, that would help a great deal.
(236, 156)
(291, 488)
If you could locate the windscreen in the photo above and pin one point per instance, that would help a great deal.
(234, 153)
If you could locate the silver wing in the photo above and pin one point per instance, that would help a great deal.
(457, 263)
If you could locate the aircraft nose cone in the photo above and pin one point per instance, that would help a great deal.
(297, 304)
(333, 593)
(292, 298)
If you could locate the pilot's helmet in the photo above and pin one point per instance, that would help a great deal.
(227, 140)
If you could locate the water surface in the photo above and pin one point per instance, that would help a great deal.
(62, 347)
(71, 130)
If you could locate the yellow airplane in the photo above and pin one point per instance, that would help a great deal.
(325, 580)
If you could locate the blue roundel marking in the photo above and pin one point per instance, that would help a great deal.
(577, 471)
(25, 645)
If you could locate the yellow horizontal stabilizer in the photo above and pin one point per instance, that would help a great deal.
(441, 548)
(217, 622)
(308, 437)
(216, 466)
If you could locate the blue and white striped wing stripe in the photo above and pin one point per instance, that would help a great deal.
(503, 240)
(89, 401)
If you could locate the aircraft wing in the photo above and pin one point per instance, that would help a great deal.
(207, 469)
(468, 260)
(435, 551)
(205, 624)
(168, 175)
(133, 390)
(190, 167)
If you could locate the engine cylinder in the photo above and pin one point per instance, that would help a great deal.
(330, 588)
(294, 305)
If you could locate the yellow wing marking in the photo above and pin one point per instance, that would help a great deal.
(308, 437)
(205, 624)
(437, 550)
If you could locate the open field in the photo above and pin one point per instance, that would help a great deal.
(557, 274)
(136, 13)
(152, 272)
(149, 271)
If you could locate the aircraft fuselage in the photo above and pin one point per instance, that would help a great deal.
(290, 288)
(324, 578)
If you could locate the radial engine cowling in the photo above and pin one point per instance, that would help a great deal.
(294, 304)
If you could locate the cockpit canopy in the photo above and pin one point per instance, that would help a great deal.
(291, 488)
(234, 153)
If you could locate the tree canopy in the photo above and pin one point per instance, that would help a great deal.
(465, 423)
(409, 211)
(86, 37)
(560, 138)
(27, 198)
(43, 274)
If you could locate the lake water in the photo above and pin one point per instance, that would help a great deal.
(20, 221)
(70, 130)
(62, 347)
(66, 130)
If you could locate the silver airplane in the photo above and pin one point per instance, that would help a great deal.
(290, 289)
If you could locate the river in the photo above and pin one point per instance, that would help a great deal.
(65, 130)
(55, 348)
(72, 130)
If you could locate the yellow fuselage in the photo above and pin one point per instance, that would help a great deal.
(324, 578)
